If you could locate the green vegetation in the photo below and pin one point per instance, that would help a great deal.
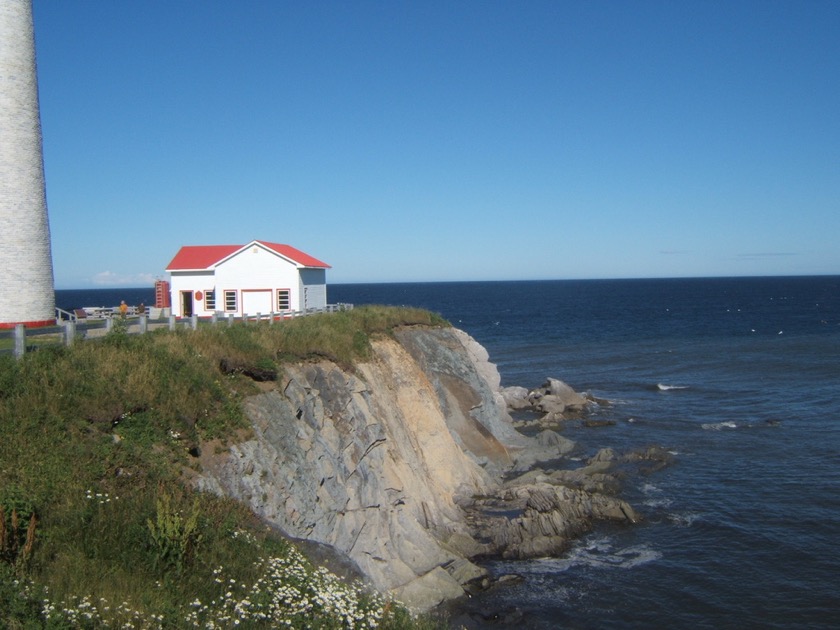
(97, 525)
(53, 336)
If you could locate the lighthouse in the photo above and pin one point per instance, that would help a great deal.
(27, 291)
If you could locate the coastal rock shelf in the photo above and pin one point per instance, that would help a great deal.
(402, 464)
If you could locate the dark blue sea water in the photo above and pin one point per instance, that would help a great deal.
(740, 378)
(69, 299)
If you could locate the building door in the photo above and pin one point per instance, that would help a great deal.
(186, 303)
(256, 301)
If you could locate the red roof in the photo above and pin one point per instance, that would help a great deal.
(207, 256)
(200, 256)
(295, 254)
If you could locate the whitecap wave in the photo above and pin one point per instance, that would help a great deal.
(719, 426)
(683, 520)
(666, 388)
(596, 553)
(626, 558)
(654, 500)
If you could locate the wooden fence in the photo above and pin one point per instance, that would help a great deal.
(68, 331)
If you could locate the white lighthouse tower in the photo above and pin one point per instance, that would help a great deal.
(27, 292)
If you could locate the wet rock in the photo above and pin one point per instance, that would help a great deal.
(591, 424)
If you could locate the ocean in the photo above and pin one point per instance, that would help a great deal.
(738, 377)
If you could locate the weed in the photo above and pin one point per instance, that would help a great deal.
(174, 536)
(17, 535)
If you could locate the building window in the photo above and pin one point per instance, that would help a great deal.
(210, 300)
(230, 300)
(284, 301)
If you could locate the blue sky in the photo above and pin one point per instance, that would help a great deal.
(426, 141)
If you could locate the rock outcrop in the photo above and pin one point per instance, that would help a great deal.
(550, 516)
(552, 403)
(398, 465)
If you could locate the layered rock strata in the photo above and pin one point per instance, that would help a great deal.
(398, 465)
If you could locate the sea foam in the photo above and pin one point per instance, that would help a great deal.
(719, 426)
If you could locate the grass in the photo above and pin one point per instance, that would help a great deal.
(97, 527)
(51, 338)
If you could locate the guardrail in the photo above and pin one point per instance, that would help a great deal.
(102, 312)
(73, 328)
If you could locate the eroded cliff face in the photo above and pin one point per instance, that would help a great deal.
(383, 463)
(367, 463)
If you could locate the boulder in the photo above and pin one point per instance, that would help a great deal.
(515, 397)
(428, 590)
(540, 519)
(552, 439)
(563, 393)
(550, 404)
(555, 400)
(465, 572)
(549, 446)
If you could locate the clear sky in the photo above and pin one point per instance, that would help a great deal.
(454, 140)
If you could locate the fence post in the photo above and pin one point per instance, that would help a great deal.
(69, 332)
(109, 324)
(194, 321)
(230, 319)
(143, 324)
(214, 318)
(171, 322)
(20, 340)
(271, 320)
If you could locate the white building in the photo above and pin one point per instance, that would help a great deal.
(257, 278)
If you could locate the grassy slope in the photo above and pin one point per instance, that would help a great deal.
(93, 443)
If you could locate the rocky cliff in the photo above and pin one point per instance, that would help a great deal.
(398, 465)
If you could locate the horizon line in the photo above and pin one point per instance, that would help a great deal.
(462, 281)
